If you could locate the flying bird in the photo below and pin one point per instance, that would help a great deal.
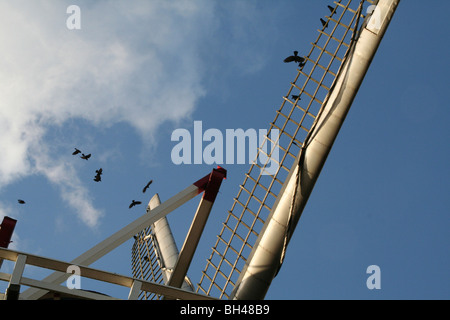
(324, 23)
(295, 58)
(85, 157)
(98, 177)
(134, 203)
(148, 185)
(21, 201)
(76, 151)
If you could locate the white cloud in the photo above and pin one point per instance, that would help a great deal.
(137, 62)
(62, 174)
(129, 63)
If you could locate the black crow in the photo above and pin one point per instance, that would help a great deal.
(148, 185)
(85, 157)
(295, 58)
(324, 23)
(21, 201)
(76, 151)
(134, 203)
(98, 177)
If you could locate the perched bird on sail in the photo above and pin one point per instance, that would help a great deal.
(148, 185)
(76, 151)
(134, 203)
(85, 156)
(21, 201)
(324, 23)
(295, 58)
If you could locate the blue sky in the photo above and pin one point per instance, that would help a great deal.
(135, 72)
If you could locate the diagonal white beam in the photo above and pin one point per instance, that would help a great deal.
(135, 290)
(18, 269)
(12, 293)
(196, 229)
(118, 238)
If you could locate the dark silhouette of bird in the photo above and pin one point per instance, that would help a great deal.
(302, 64)
(98, 177)
(148, 185)
(85, 156)
(295, 97)
(134, 203)
(295, 58)
(324, 23)
(21, 201)
(331, 8)
(76, 151)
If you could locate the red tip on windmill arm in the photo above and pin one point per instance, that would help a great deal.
(6, 231)
(215, 180)
(210, 183)
(220, 169)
